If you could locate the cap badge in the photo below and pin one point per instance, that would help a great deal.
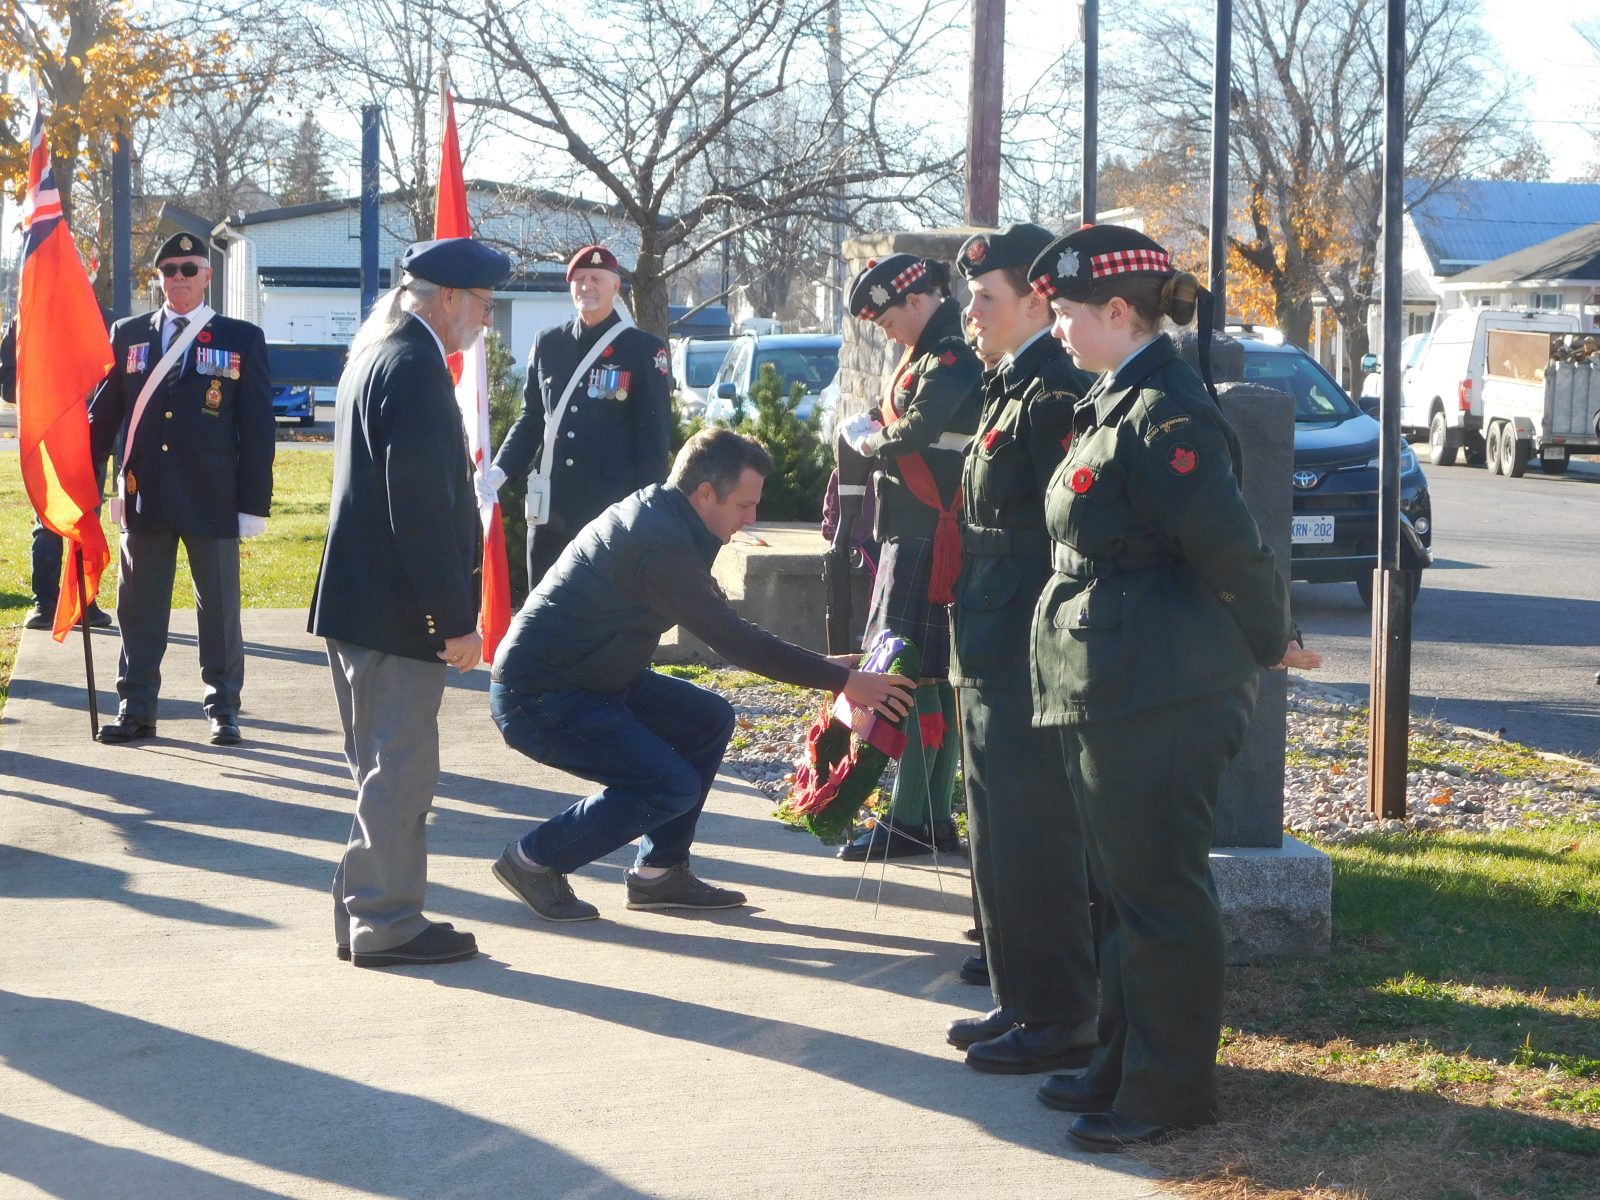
(595, 258)
(977, 250)
(185, 243)
(879, 294)
(1067, 264)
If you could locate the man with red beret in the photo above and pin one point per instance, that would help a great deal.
(595, 415)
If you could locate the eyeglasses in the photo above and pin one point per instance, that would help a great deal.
(187, 270)
(486, 301)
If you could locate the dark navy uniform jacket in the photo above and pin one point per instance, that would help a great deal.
(203, 450)
(1005, 552)
(1161, 587)
(399, 568)
(611, 443)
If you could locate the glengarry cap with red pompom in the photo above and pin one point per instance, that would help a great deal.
(595, 258)
(1070, 267)
(883, 283)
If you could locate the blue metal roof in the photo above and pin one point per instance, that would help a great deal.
(1474, 221)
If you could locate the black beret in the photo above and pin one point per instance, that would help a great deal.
(456, 263)
(885, 282)
(183, 245)
(1013, 246)
(1069, 267)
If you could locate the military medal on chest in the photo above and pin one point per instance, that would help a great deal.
(220, 364)
(214, 396)
(608, 383)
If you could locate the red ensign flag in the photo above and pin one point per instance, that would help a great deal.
(62, 353)
(471, 371)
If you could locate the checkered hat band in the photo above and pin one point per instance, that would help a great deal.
(909, 276)
(1045, 287)
(1123, 262)
(867, 312)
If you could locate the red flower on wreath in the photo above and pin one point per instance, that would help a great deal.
(1082, 480)
(1184, 460)
(203, 336)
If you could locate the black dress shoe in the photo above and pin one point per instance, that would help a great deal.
(947, 840)
(38, 618)
(224, 731)
(99, 618)
(435, 944)
(1029, 1049)
(968, 1030)
(342, 949)
(1106, 1131)
(975, 970)
(1074, 1094)
(884, 840)
(125, 729)
(974, 934)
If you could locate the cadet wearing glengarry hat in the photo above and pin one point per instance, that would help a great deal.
(397, 595)
(1162, 607)
(1028, 862)
(924, 423)
(196, 469)
(596, 414)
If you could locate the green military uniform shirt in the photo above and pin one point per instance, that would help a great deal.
(1162, 588)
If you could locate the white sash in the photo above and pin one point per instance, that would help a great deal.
(538, 505)
(198, 317)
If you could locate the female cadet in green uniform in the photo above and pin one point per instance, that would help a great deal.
(924, 424)
(1028, 864)
(1147, 640)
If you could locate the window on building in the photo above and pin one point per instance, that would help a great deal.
(1551, 300)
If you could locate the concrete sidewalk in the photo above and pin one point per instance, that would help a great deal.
(174, 1025)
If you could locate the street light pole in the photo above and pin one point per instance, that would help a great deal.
(1089, 30)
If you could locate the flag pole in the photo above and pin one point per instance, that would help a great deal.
(88, 645)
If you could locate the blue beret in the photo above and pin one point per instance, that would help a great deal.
(456, 263)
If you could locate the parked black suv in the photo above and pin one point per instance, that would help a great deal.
(1335, 532)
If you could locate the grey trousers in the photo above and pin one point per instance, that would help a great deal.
(1029, 864)
(144, 613)
(389, 706)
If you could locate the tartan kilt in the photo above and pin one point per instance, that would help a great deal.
(901, 606)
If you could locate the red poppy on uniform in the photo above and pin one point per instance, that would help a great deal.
(1183, 460)
(948, 358)
(1082, 480)
(606, 353)
(203, 336)
(991, 439)
(906, 380)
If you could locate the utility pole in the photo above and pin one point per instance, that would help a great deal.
(985, 99)
(1389, 727)
(836, 201)
(369, 209)
(1089, 31)
(121, 224)
(1221, 93)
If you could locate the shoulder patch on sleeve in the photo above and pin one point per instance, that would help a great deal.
(1183, 460)
(1162, 428)
(661, 361)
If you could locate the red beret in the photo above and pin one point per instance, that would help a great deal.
(593, 257)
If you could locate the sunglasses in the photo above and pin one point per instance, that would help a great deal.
(187, 270)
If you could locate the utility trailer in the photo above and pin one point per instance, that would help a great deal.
(1541, 398)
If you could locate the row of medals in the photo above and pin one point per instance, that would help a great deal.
(605, 382)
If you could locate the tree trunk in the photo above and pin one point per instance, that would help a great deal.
(1294, 321)
(649, 300)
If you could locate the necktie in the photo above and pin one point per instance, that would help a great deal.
(179, 324)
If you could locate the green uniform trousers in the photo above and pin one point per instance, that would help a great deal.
(1146, 787)
(1028, 861)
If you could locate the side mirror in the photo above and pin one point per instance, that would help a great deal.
(1369, 405)
(1369, 362)
(726, 390)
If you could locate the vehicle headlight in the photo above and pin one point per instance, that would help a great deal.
(1408, 459)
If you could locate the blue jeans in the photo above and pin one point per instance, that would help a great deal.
(654, 749)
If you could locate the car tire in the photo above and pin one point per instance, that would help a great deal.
(1441, 450)
(1553, 466)
(1492, 447)
(309, 420)
(1364, 587)
(1514, 454)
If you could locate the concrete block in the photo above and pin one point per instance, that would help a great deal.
(1276, 902)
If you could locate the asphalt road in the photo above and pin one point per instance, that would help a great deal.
(1506, 631)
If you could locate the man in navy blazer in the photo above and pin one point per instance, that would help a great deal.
(196, 469)
(397, 595)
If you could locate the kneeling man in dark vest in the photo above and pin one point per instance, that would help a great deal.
(572, 685)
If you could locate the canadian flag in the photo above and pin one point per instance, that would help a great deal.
(470, 369)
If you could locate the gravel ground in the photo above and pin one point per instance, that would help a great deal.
(1461, 779)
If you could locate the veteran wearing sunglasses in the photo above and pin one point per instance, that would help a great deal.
(192, 390)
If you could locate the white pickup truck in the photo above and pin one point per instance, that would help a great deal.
(1541, 397)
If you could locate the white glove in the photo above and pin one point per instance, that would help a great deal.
(858, 429)
(251, 526)
(487, 484)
